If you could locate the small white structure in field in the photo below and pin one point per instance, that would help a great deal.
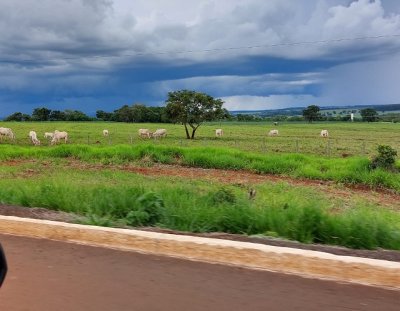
(6, 132)
(105, 133)
(160, 133)
(352, 117)
(219, 132)
(145, 133)
(273, 133)
(324, 133)
(48, 135)
(58, 136)
(33, 137)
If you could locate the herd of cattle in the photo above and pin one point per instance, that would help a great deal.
(57, 136)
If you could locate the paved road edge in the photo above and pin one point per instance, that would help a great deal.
(306, 263)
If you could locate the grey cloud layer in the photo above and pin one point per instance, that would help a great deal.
(57, 46)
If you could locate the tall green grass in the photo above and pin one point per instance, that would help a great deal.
(353, 170)
(119, 198)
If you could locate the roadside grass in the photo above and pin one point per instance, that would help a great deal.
(115, 198)
(352, 170)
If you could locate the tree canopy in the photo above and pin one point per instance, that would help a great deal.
(369, 114)
(311, 113)
(192, 109)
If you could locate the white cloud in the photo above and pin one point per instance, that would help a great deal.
(249, 102)
(77, 28)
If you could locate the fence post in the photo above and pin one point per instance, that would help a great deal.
(328, 147)
(88, 140)
(264, 145)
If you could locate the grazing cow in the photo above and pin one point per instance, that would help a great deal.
(273, 133)
(58, 136)
(324, 133)
(219, 132)
(144, 133)
(48, 135)
(6, 132)
(105, 133)
(275, 123)
(160, 133)
(33, 137)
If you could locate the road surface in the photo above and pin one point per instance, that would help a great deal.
(48, 275)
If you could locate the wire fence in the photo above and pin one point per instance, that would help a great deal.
(330, 147)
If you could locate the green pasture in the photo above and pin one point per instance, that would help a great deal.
(111, 197)
(346, 139)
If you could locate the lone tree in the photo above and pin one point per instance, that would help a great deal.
(311, 113)
(192, 109)
(369, 114)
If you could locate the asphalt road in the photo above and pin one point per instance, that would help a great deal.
(47, 275)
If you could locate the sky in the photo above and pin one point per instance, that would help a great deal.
(255, 54)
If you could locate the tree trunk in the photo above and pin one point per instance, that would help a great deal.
(193, 132)
(187, 132)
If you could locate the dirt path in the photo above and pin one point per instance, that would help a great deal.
(48, 275)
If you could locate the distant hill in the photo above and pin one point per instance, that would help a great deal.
(295, 111)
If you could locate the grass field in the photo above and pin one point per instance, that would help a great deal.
(42, 176)
(345, 138)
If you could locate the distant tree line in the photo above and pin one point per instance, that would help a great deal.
(140, 113)
(45, 114)
(137, 113)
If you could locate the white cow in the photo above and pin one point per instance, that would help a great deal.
(6, 132)
(105, 133)
(145, 133)
(48, 135)
(58, 136)
(324, 133)
(273, 133)
(219, 132)
(33, 137)
(160, 133)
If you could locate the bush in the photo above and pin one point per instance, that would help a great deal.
(385, 159)
(224, 195)
(149, 212)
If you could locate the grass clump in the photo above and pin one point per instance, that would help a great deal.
(385, 159)
(148, 212)
(223, 195)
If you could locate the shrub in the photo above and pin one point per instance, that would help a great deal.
(149, 211)
(385, 159)
(224, 195)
